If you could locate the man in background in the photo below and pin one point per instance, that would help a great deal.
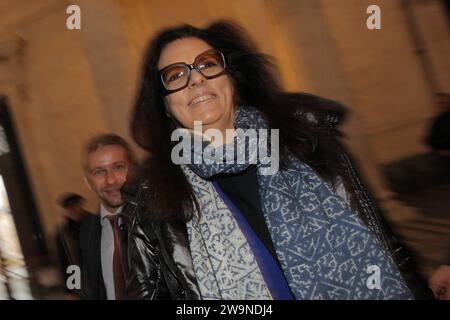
(107, 160)
(68, 237)
(439, 135)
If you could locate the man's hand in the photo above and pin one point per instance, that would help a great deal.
(440, 283)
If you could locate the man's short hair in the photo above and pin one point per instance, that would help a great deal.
(442, 95)
(102, 140)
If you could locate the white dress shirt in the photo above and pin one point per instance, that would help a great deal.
(107, 252)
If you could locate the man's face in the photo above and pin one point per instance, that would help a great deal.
(443, 103)
(106, 172)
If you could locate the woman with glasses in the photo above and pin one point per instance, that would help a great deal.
(224, 222)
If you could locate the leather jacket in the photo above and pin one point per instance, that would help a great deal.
(159, 254)
(159, 258)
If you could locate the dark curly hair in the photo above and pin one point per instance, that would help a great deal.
(256, 84)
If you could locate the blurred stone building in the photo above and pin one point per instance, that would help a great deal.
(59, 86)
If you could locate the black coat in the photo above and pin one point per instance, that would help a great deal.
(69, 248)
(158, 253)
(439, 136)
(93, 287)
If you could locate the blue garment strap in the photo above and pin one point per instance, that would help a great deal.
(273, 276)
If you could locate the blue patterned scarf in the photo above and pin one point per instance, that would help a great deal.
(325, 250)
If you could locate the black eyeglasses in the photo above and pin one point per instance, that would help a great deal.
(176, 76)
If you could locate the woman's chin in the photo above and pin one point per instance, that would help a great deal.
(208, 119)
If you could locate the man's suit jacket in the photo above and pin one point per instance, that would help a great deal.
(93, 287)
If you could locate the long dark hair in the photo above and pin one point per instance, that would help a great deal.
(256, 83)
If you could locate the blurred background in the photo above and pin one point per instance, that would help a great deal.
(58, 87)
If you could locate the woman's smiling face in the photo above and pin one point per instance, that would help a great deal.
(210, 101)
